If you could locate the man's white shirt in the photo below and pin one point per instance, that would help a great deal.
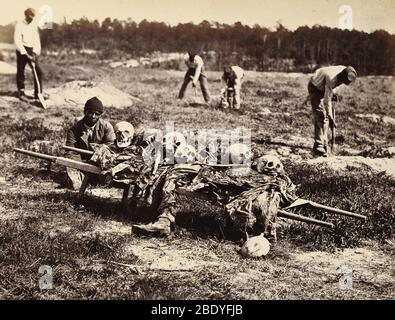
(325, 79)
(26, 35)
(238, 71)
(196, 64)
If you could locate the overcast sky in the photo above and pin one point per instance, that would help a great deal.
(368, 15)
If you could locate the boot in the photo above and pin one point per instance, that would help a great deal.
(74, 178)
(160, 227)
(22, 96)
(320, 152)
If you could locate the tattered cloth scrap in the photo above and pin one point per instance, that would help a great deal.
(177, 176)
(164, 182)
(227, 183)
(249, 197)
(121, 164)
(128, 166)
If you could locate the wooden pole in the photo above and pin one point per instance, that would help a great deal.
(293, 216)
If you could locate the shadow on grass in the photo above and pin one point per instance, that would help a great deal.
(9, 93)
(42, 172)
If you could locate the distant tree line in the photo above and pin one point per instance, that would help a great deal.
(254, 47)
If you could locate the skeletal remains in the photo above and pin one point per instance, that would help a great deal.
(269, 164)
(124, 132)
(185, 153)
(237, 153)
(175, 144)
(255, 247)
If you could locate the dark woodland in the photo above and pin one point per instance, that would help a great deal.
(253, 48)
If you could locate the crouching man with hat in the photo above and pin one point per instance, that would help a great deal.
(90, 129)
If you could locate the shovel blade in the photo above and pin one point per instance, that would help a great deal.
(42, 101)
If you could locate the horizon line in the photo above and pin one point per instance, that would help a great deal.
(211, 22)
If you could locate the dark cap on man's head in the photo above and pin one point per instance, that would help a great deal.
(94, 105)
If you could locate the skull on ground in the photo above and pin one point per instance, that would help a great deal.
(255, 247)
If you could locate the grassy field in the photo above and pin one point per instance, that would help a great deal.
(91, 250)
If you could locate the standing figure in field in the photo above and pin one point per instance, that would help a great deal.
(230, 95)
(90, 129)
(195, 73)
(28, 48)
(321, 92)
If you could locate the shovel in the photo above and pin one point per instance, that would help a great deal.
(39, 95)
(194, 86)
(333, 140)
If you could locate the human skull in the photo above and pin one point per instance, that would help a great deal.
(124, 132)
(185, 153)
(255, 247)
(237, 153)
(172, 140)
(269, 164)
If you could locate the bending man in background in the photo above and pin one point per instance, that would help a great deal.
(195, 73)
(321, 92)
(233, 76)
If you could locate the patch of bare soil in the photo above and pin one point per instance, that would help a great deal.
(168, 257)
(338, 163)
(76, 93)
(6, 68)
(153, 253)
(377, 118)
(367, 266)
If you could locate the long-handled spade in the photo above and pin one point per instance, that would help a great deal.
(39, 95)
(333, 140)
(194, 87)
(195, 102)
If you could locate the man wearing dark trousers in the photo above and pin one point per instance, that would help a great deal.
(28, 48)
(195, 73)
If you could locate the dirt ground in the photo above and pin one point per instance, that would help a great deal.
(92, 251)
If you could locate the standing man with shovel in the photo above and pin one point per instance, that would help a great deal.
(321, 92)
(28, 48)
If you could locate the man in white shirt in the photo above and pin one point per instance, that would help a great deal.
(195, 73)
(233, 76)
(28, 48)
(321, 92)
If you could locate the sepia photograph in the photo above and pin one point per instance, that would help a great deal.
(217, 150)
